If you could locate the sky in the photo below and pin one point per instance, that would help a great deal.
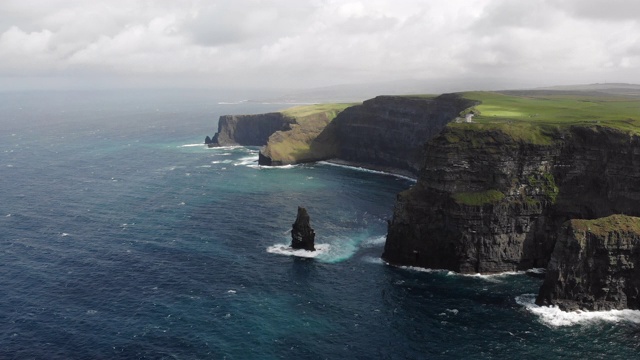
(300, 44)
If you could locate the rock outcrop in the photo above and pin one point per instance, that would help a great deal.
(595, 265)
(249, 130)
(488, 202)
(302, 234)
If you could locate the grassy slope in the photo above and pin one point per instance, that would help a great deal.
(535, 116)
(603, 226)
(297, 145)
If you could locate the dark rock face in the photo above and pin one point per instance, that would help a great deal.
(390, 131)
(486, 202)
(302, 235)
(595, 265)
(249, 130)
(207, 140)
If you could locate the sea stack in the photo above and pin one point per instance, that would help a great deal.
(302, 235)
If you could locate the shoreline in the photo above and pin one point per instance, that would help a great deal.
(384, 170)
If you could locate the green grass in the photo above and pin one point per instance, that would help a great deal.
(535, 117)
(478, 198)
(304, 111)
(603, 226)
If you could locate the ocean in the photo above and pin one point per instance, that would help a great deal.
(122, 237)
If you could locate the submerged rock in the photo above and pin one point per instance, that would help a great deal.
(302, 235)
(595, 265)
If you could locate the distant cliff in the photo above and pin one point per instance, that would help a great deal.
(249, 130)
(488, 202)
(386, 132)
(307, 139)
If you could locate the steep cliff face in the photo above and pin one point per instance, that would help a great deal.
(386, 132)
(390, 131)
(249, 130)
(595, 265)
(300, 143)
(486, 202)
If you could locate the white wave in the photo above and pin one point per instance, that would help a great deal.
(247, 160)
(64, 234)
(554, 317)
(222, 162)
(283, 249)
(254, 166)
(358, 168)
(495, 278)
(225, 148)
(192, 145)
(374, 241)
(419, 269)
(204, 166)
(536, 271)
(373, 260)
(231, 291)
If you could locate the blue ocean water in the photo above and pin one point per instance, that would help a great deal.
(123, 238)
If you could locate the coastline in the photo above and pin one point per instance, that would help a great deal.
(384, 170)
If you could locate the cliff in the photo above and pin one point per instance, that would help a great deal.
(300, 143)
(248, 130)
(595, 265)
(386, 132)
(492, 196)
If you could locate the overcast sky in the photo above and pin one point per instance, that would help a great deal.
(312, 43)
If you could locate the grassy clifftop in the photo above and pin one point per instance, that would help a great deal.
(298, 144)
(539, 116)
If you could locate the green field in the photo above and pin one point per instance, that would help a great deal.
(303, 111)
(536, 116)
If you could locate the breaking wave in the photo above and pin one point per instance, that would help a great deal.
(358, 168)
(283, 249)
(552, 316)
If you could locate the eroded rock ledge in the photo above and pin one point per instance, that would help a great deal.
(595, 265)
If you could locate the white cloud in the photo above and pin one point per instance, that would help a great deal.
(319, 42)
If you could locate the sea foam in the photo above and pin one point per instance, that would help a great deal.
(374, 241)
(358, 168)
(552, 316)
(193, 145)
(283, 249)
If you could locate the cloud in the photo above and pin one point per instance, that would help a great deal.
(321, 42)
